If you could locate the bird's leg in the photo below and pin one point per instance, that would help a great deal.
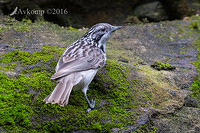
(91, 104)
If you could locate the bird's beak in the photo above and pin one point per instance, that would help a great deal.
(114, 28)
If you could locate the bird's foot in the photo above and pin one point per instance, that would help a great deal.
(88, 110)
(92, 104)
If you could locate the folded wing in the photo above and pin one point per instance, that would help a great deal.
(79, 60)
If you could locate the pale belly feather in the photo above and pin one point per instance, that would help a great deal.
(83, 79)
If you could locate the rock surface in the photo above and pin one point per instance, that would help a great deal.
(130, 95)
(88, 12)
(153, 12)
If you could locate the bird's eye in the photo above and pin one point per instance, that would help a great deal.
(103, 30)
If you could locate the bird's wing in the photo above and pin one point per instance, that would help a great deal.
(79, 60)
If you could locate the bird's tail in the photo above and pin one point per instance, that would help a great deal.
(61, 93)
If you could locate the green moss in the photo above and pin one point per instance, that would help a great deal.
(71, 28)
(26, 20)
(23, 109)
(10, 67)
(147, 128)
(26, 58)
(15, 100)
(3, 28)
(96, 126)
(164, 35)
(14, 103)
(21, 27)
(195, 24)
(195, 87)
(161, 66)
(183, 50)
(26, 25)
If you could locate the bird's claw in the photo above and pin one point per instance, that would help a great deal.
(88, 110)
(92, 104)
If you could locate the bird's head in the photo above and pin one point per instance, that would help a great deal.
(100, 33)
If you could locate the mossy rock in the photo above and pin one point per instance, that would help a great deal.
(22, 105)
(161, 66)
(127, 94)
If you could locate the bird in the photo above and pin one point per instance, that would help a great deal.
(79, 63)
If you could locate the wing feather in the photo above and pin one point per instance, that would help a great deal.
(84, 59)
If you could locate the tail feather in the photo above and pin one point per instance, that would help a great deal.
(61, 93)
(65, 95)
